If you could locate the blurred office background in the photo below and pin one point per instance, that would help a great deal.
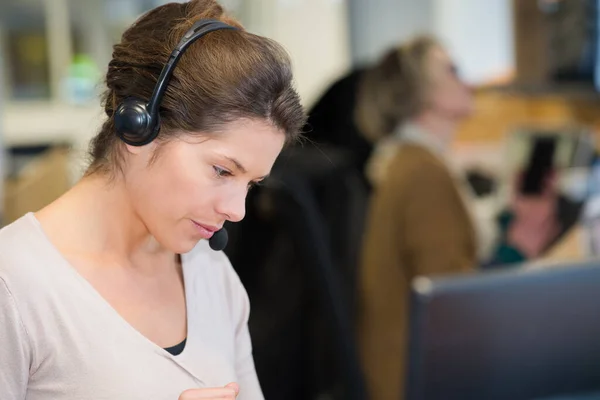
(533, 65)
(47, 45)
(54, 52)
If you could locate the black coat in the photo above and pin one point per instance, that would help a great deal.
(331, 120)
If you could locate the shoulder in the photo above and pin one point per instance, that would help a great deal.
(415, 167)
(413, 158)
(21, 250)
(16, 234)
(27, 274)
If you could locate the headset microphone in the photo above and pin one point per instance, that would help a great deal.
(219, 239)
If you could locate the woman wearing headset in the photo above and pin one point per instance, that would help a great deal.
(110, 291)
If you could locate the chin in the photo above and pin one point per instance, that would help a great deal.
(184, 246)
(178, 245)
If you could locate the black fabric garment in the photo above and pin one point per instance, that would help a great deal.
(331, 121)
(302, 341)
(177, 349)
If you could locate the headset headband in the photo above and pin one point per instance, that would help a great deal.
(199, 29)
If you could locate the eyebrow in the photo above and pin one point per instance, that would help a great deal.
(240, 167)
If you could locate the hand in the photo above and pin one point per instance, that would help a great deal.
(229, 392)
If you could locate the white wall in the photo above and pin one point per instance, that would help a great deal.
(59, 41)
(314, 32)
(378, 25)
(479, 34)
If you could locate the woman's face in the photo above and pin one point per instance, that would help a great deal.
(446, 93)
(196, 183)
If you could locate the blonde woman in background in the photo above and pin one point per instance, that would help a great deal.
(419, 221)
(361, 108)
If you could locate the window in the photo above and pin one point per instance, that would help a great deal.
(25, 43)
(42, 40)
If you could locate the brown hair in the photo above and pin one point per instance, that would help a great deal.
(392, 90)
(223, 76)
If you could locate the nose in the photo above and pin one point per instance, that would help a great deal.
(233, 206)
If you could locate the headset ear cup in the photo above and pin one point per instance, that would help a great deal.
(138, 123)
(133, 123)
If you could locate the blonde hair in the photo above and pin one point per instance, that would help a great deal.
(392, 91)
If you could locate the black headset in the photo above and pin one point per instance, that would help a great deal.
(137, 123)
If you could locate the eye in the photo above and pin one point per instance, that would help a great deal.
(221, 173)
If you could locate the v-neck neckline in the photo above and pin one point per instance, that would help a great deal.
(114, 314)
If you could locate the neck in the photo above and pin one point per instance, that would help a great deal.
(98, 218)
(440, 127)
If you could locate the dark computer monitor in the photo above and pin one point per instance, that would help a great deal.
(517, 334)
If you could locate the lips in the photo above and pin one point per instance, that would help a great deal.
(205, 231)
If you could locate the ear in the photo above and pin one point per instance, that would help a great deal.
(137, 150)
(141, 155)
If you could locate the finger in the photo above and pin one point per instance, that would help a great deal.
(209, 393)
(234, 386)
